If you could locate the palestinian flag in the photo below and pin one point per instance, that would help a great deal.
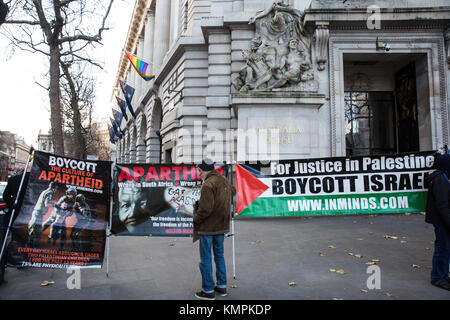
(249, 188)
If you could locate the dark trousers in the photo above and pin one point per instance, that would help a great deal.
(441, 256)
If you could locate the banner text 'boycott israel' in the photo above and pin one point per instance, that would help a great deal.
(330, 186)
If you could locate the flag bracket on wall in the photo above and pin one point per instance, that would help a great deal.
(170, 91)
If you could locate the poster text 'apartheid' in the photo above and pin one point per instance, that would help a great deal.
(62, 221)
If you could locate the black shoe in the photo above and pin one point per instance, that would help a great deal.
(221, 291)
(441, 283)
(205, 296)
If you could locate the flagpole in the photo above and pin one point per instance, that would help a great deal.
(108, 229)
(30, 156)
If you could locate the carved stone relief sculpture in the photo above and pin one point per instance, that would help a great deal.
(279, 58)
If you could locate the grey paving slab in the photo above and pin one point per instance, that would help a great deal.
(270, 255)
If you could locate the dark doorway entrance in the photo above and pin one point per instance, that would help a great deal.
(406, 101)
(386, 103)
(369, 122)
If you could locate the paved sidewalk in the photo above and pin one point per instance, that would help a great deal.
(271, 254)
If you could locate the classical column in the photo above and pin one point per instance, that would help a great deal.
(139, 80)
(126, 153)
(174, 20)
(140, 139)
(147, 55)
(122, 147)
(162, 36)
(149, 38)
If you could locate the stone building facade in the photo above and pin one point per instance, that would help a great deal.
(304, 79)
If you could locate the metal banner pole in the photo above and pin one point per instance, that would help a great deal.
(30, 156)
(108, 229)
(232, 227)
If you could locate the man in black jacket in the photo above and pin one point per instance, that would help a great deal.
(9, 195)
(438, 214)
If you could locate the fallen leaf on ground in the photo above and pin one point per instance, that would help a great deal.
(338, 299)
(371, 263)
(332, 270)
(358, 256)
(387, 293)
(403, 241)
(415, 266)
(47, 283)
(331, 246)
(233, 286)
(375, 260)
(292, 283)
(350, 253)
(390, 237)
(321, 254)
(427, 248)
(360, 239)
(364, 291)
(340, 271)
(407, 214)
(371, 233)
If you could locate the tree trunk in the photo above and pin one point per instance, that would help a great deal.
(4, 9)
(79, 142)
(55, 101)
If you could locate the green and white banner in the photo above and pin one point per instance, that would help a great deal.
(332, 186)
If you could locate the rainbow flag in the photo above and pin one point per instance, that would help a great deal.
(140, 66)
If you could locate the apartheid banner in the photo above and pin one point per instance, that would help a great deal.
(62, 221)
(334, 186)
(155, 199)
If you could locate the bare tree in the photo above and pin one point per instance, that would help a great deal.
(65, 32)
(77, 102)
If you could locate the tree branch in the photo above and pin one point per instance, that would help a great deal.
(33, 23)
(93, 38)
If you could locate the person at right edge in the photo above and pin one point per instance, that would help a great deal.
(211, 223)
(438, 214)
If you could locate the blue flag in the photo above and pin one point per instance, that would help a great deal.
(111, 134)
(123, 107)
(118, 119)
(128, 92)
(116, 131)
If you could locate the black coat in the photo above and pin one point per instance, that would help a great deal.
(11, 190)
(438, 201)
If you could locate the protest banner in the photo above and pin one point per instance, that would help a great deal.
(62, 220)
(155, 199)
(331, 186)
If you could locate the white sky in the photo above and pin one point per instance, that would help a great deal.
(24, 106)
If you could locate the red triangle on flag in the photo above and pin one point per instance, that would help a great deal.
(249, 188)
